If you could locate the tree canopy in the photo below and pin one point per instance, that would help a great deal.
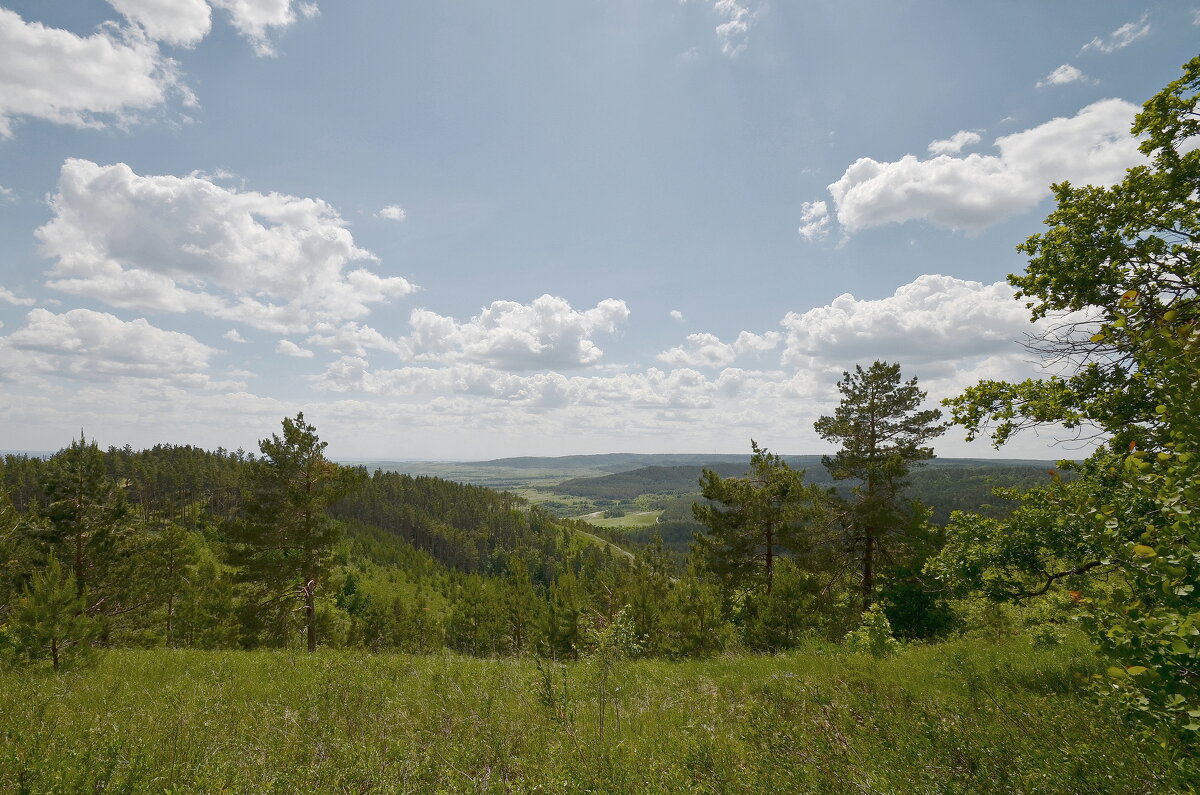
(883, 432)
(1128, 258)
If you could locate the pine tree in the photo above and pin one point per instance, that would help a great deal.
(563, 616)
(15, 553)
(521, 607)
(167, 566)
(756, 519)
(286, 539)
(49, 619)
(883, 433)
(87, 514)
(694, 624)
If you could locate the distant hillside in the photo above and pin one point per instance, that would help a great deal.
(647, 480)
(957, 482)
(611, 462)
(945, 485)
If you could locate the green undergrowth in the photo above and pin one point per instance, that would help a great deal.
(954, 718)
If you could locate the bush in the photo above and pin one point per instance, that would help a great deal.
(874, 637)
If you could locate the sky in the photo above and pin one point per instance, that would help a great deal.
(469, 229)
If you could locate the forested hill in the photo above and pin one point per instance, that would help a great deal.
(612, 462)
(625, 462)
(157, 541)
(944, 484)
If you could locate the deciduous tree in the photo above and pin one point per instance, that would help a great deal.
(1128, 258)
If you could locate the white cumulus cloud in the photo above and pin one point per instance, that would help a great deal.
(955, 143)
(1061, 76)
(735, 30)
(547, 333)
(289, 348)
(256, 19)
(949, 332)
(87, 345)
(393, 212)
(933, 318)
(233, 336)
(175, 244)
(8, 296)
(181, 22)
(676, 315)
(353, 338)
(1122, 37)
(974, 191)
(814, 220)
(707, 350)
(85, 81)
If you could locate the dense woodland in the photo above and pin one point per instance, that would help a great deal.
(180, 547)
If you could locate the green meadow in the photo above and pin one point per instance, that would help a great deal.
(960, 717)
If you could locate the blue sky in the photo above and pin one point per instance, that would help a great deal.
(468, 229)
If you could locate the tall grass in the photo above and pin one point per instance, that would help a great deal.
(954, 718)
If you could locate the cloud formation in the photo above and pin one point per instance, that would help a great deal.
(178, 244)
(255, 20)
(181, 22)
(353, 338)
(393, 212)
(93, 346)
(547, 333)
(955, 143)
(86, 81)
(9, 297)
(934, 318)
(707, 350)
(975, 191)
(1061, 76)
(814, 221)
(1122, 37)
(734, 32)
(289, 348)
(186, 22)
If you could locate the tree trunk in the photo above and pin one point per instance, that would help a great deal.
(868, 584)
(310, 614)
(770, 557)
(54, 652)
(170, 613)
(868, 568)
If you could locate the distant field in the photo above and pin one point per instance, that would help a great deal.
(633, 519)
(575, 485)
(502, 478)
(962, 717)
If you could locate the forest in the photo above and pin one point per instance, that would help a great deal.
(886, 623)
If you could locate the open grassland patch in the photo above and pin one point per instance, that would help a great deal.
(632, 520)
(958, 718)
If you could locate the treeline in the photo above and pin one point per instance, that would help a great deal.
(181, 547)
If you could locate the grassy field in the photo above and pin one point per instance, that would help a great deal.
(631, 520)
(956, 718)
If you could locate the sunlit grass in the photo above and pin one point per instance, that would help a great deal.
(955, 718)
